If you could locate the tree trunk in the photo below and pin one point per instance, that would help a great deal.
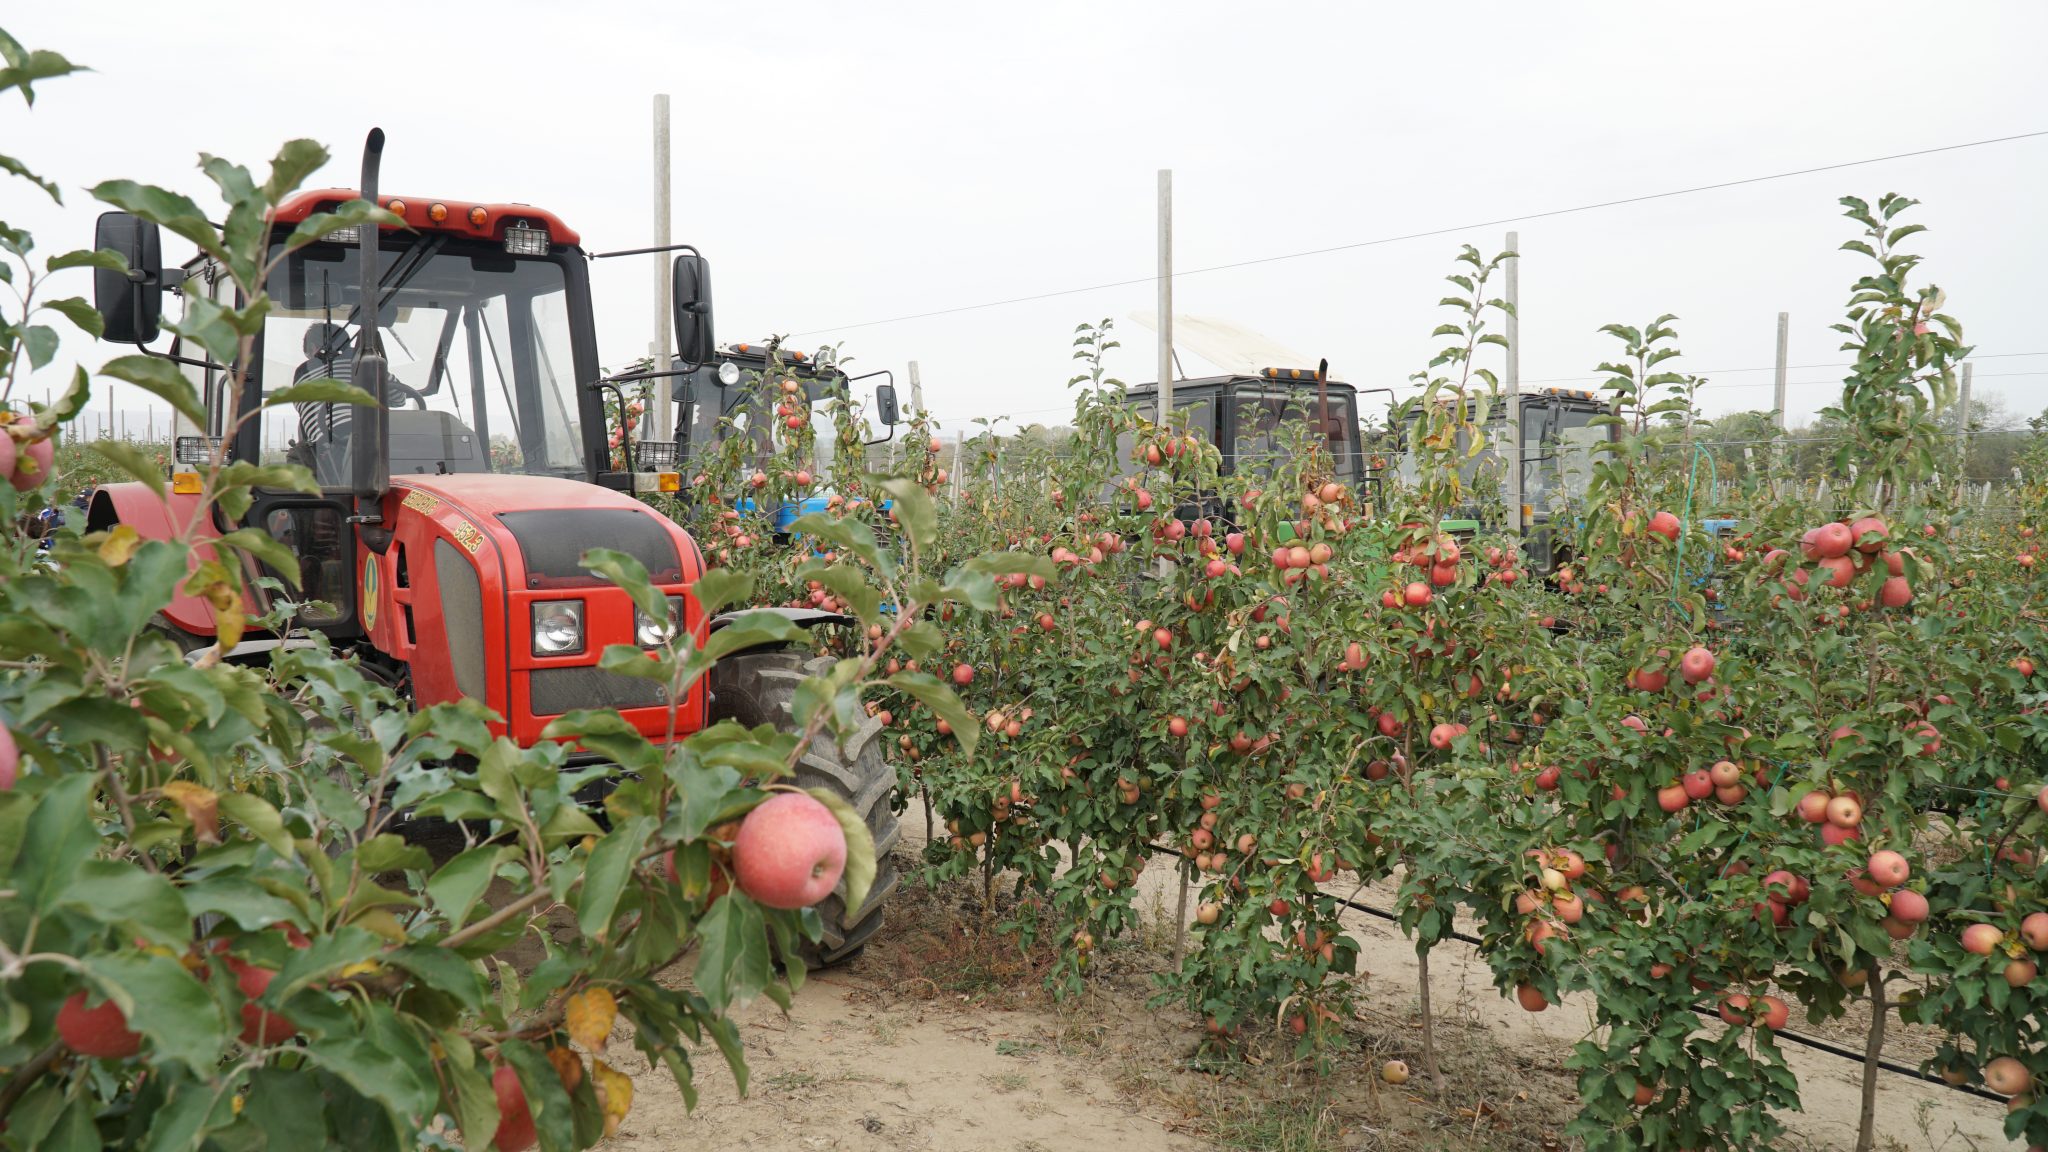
(1436, 1076)
(1180, 922)
(1866, 1125)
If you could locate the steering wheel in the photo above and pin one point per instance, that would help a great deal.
(394, 387)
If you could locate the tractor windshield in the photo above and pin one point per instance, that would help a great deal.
(478, 343)
(1264, 436)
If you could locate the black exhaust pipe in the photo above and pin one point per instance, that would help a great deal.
(373, 452)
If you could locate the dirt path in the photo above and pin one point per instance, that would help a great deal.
(845, 1072)
(925, 1044)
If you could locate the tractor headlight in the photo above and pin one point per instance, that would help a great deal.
(557, 627)
(654, 634)
(728, 373)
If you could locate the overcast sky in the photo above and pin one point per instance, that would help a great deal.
(843, 164)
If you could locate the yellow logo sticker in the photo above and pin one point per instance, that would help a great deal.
(370, 590)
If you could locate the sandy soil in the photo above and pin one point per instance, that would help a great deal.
(895, 1052)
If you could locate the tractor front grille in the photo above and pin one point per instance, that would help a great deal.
(553, 691)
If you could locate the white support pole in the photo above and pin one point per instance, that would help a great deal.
(1513, 453)
(1784, 348)
(1963, 423)
(916, 389)
(958, 438)
(1165, 294)
(664, 413)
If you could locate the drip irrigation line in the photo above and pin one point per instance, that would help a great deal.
(1422, 235)
(1814, 1042)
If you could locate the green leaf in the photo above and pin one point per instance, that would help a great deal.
(926, 690)
(751, 630)
(161, 379)
(121, 894)
(288, 1107)
(860, 846)
(180, 1018)
(82, 315)
(442, 971)
(733, 964)
(460, 883)
(255, 814)
(607, 733)
(914, 511)
(328, 955)
(105, 258)
(381, 1075)
(476, 1103)
(13, 167)
(605, 876)
(389, 852)
(289, 477)
(627, 572)
(132, 461)
(720, 588)
(295, 160)
(172, 210)
(176, 1124)
(251, 907)
(40, 342)
(705, 796)
(1011, 563)
(320, 390)
(60, 838)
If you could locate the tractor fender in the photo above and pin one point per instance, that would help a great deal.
(157, 517)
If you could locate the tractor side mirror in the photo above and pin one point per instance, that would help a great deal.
(690, 280)
(131, 302)
(885, 404)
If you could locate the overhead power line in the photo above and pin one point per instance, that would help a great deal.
(1423, 235)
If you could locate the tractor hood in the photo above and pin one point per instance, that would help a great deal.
(552, 521)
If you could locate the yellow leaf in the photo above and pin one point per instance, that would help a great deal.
(383, 923)
(568, 1066)
(589, 1015)
(614, 1094)
(361, 968)
(201, 807)
(119, 545)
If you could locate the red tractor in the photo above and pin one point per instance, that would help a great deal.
(443, 546)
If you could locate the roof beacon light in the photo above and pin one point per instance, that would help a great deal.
(522, 239)
(478, 217)
(437, 213)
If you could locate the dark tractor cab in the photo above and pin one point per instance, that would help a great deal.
(1248, 418)
(738, 387)
(1558, 439)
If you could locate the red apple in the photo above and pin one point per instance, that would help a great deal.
(1868, 526)
(100, 1032)
(10, 753)
(1417, 594)
(789, 852)
(1530, 998)
(1698, 785)
(1725, 774)
(1672, 798)
(2006, 1076)
(1845, 812)
(1888, 868)
(1813, 807)
(1696, 665)
(2034, 930)
(1909, 907)
(1665, 524)
(963, 674)
(260, 1026)
(515, 1122)
(1983, 939)
(1827, 541)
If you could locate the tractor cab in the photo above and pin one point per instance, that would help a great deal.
(737, 391)
(1257, 421)
(1558, 442)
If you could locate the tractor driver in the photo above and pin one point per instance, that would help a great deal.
(324, 427)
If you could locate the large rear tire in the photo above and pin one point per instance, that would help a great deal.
(760, 688)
